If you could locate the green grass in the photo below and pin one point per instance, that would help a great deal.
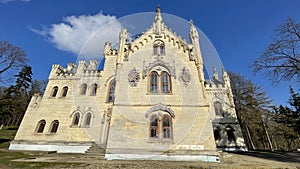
(7, 134)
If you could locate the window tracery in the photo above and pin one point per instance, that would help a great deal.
(161, 126)
(160, 83)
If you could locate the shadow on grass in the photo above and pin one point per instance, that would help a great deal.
(3, 140)
(275, 155)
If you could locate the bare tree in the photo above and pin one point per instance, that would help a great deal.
(281, 59)
(11, 57)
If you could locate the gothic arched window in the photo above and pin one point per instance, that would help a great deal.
(54, 91)
(230, 134)
(167, 126)
(83, 89)
(87, 121)
(94, 89)
(65, 91)
(41, 126)
(218, 108)
(165, 83)
(217, 134)
(154, 126)
(153, 82)
(54, 126)
(76, 118)
(111, 91)
(158, 48)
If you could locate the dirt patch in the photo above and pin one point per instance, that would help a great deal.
(228, 160)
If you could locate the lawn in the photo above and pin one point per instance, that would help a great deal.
(7, 134)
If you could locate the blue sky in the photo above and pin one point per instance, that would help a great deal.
(240, 30)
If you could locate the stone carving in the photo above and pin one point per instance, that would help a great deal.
(108, 115)
(158, 62)
(185, 76)
(133, 77)
(107, 48)
(161, 107)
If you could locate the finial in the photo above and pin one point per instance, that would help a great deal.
(191, 22)
(158, 9)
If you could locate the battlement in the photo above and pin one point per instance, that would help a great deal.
(84, 69)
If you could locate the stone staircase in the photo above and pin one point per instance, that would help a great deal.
(95, 151)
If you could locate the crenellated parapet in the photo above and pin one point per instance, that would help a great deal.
(84, 69)
(58, 71)
(88, 69)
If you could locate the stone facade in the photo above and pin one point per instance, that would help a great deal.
(150, 101)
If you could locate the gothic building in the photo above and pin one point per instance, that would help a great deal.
(150, 101)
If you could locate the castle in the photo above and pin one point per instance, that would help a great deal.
(150, 101)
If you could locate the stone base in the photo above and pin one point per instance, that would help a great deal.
(205, 158)
(59, 148)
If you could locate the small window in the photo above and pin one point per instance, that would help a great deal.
(217, 134)
(88, 117)
(76, 118)
(166, 127)
(94, 89)
(158, 48)
(83, 89)
(154, 132)
(218, 108)
(165, 82)
(41, 126)
(111, 91)
(54, 126)
(230, 134)
(154, 82)
(65, 91)
(54, 91)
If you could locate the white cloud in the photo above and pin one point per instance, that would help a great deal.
(83, 35)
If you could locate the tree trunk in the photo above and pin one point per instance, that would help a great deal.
(250, 138)
(268, 137)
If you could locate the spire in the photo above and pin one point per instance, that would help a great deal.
(158, 23)
(193, 30)
(216, 75)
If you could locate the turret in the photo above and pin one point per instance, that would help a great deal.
(122, 42)
(216, 75)
(56, 69)
(93, 65)
(226, 80)
(81, 67)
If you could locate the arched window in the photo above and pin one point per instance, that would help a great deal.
(218, 108)
(75, 120)
(158, 48)
(154, 126)
(217, 134)
(87, 121)
(94, 89)
(83, 89)
(65, 91)
(165, 82)
(153, 82)
(230, 134)
(167, 126)
(111, 91)
(54, 91)
(54, 126)
(40, 126)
